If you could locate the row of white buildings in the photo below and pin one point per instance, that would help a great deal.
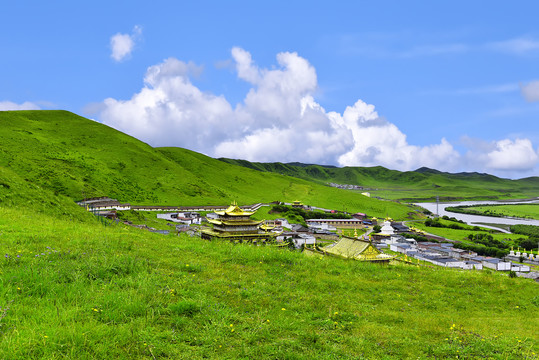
(446, 255)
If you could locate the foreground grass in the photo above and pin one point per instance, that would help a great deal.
(85, 291)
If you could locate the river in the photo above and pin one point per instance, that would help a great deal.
(475, 219)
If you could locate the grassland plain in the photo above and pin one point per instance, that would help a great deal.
(70, 157)
(528, 211)
(413, 186)
(84, 291)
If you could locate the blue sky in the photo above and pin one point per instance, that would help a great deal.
(452, 85)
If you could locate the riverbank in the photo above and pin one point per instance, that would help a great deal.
(514, 211)
(440, 209)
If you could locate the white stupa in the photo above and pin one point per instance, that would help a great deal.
(387, 229)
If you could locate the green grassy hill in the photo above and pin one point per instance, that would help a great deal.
(419, 185)
(87, 291)
(65, 157)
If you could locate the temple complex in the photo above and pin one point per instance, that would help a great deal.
(235, 224)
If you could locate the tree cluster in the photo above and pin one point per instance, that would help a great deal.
(483, 250)
(487, 240)
(437, 223)
(533, 236)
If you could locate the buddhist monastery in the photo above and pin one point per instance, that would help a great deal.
(356, 248)
(235, 224)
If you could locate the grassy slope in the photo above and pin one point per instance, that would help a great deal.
(74, 157)
(412, 185)
(81, 291)
(247, 185)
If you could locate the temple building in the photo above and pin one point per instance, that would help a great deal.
(235, 224)
(356, 248)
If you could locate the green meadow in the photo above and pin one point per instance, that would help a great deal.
(528, 211)
(83, 290)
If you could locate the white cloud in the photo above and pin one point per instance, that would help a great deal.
(512, 157)
(518, 46)
(530, 91)
(378, 142)
(8, 105)
(435, 50)
(170, 110)
(123, 44)
(279, 120)
(492, 89)
(508, 155)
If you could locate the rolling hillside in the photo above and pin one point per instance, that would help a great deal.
(418, 185)
(60, 156)
(89, 290)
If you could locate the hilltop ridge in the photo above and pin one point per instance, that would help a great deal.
(418, 185)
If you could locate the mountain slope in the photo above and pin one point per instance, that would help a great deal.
(73, 157)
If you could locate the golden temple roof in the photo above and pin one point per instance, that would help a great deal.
(267, 227)
(234, 223)
(220, 234)
(352, 248)
(235, 210)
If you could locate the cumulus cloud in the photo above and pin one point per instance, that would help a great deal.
(170, 110)
(517, 155)
(507, 156)
(280, 120)
(379, 142)
(8, 105)
(530, 91)
(123, 44)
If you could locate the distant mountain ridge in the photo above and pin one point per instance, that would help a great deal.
(429, 182)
